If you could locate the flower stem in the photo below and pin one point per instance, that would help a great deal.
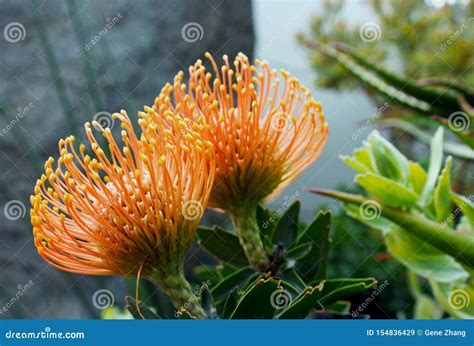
(178, 289)
(246, 225)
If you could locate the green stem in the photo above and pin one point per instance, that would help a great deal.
(178, 289)
(461, 247)
(246, 225)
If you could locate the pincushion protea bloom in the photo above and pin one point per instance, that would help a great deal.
(266, 130)
(127, 213)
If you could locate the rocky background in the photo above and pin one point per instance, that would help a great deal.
(66, 62)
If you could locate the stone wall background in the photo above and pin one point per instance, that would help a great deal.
(53, 78)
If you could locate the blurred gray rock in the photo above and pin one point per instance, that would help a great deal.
(59, 63)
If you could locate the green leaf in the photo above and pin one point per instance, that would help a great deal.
(146, 311)
(228, 305)
(223, 244)
(360, 162)
(313, 265)
(388, 161)
(452, 148)
(299, 251)
(417, 177)
(302, 305)
(389, 191)
(442, 194)
(422, 258)
(456, 299)
(436, 157)
(287, 229)
(426, 308)
(238, 279)
(265, 226)
(257, 302)
(337, 289)
(293, 282)
(465, 204)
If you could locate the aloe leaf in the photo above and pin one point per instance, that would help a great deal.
(456, 149)
(438, 98)
(372, 80)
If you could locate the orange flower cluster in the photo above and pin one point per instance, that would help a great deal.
(265, 130)
(229, 140)
(134, 207)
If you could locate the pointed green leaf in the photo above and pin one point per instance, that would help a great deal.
(436, 157)
(417, 177)
(442, 195)
(337, 289)
(313, 265)
(388, 161)
(238, 279)
(227, 306)
(287, 228)
(223, 244)
(257, 302)
(390, 192)
(302, 305)
(465, 204)
(422, 258)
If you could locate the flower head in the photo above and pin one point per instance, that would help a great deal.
(266, 128)
(116, 212)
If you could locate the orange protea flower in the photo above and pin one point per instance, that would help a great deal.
(265, 134)
(265, 129)
(130, 212)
